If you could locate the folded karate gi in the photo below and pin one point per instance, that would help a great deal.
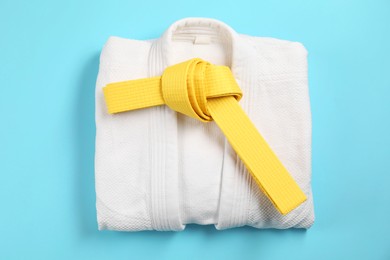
(158, 169)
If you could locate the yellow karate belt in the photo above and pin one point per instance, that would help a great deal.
(208, 92)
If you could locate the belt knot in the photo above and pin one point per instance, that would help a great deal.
(187, 86)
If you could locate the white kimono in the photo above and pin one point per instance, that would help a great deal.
(156, 169)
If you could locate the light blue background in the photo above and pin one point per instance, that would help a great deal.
(48, 66)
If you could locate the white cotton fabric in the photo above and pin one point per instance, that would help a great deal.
(156, 169)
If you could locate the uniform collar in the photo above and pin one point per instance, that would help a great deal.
(238, 51)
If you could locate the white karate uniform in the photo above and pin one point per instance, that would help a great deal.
(158, 169)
